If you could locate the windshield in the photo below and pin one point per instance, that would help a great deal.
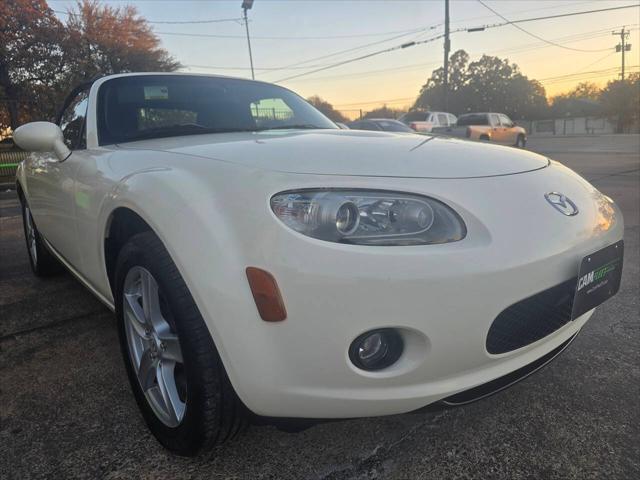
(154, 106)
(472, 119)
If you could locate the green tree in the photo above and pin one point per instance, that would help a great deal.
(431, 95)
(385, 112)
(620, 100)
(582, 101)
(488, 84)
(326, 108)
(103, 40)
(31, 58)
(41, 58)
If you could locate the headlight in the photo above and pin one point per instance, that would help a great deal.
(368, 217)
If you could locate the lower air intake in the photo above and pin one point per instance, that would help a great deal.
(532, 318)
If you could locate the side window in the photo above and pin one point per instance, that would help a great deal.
(433, 118)
(506, 121)
(493, 120)
(366, 125)
(72, 122)
(442, 119)
(269, 112)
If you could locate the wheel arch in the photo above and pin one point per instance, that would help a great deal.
(20, 191)
(122, 224)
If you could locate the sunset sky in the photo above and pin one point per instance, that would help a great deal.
(287, 33)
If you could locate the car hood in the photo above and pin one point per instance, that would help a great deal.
(352, 153)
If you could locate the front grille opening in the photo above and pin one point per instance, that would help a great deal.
(531, 319)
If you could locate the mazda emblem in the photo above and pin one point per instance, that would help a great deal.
(562, 203)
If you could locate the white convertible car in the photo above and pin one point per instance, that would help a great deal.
(259, 259)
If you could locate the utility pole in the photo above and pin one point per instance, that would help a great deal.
(246, 5)
(447, 47)
(623, 46)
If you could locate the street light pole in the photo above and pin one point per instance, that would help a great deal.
(246, 5)
(447, 47)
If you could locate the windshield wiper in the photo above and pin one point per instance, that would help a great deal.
(184, 129)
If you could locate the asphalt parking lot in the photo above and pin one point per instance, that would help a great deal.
(66, 410)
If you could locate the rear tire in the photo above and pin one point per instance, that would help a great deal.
(484, 138)
(521, 142)
(42, 261)
(183, 367)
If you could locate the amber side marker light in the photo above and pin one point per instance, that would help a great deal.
(266, 294)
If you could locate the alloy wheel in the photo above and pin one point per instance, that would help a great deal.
(31, 235)
(154, 348)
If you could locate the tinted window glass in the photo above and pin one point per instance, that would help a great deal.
(363, 125)
(472, 119)
(72, 122)
(141, 107)
(414, 117)
(393, 126)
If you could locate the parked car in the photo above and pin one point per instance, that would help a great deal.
(489, 127)
(422, 121)
(282, 266)
(342, 125)
(380, 124)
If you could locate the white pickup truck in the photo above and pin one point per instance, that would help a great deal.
(422, 121)
(488, 127)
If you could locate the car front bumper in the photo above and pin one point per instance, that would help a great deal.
(442, 298)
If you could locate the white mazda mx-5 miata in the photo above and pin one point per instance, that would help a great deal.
(260, 259)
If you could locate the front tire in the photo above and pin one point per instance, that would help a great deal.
(42, 261)
(175, 372)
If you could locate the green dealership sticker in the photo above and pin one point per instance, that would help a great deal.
(82, 200)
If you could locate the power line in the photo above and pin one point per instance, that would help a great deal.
(509, 22)
(582, 75)
(599, 60)
(530, 46)
(322, 37)
(362, 57)
(561, 15)
(413, 66)
(565, 4)
(340, 52)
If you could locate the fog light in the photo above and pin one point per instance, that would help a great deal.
(376, 349)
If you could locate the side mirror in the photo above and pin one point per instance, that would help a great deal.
(41, 137)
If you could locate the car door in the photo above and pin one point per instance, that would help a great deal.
(509, 132)
(497, 131)
(50, 181)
